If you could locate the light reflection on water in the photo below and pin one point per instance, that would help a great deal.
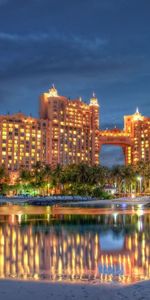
(37, 244)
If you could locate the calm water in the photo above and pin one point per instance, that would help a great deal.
(101, 245)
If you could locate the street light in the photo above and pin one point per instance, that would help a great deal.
(139, 178)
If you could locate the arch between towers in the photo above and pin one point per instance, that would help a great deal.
(114, 138)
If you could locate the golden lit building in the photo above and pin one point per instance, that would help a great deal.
(68, 132)
(73, 127)
(23, 141)
(134, 138)
(138, 127)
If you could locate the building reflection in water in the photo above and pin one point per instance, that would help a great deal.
(65, 249)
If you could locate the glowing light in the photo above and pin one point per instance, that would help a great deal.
(94, 100)
(53, 92)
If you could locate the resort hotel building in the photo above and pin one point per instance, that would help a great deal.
(68, 132)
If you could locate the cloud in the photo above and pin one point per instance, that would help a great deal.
(94, 44)
(41, 53)
(29, 62)
(14, 37)
(33, 54)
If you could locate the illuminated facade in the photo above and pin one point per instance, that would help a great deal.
(67, 132)
(23, 141)
(134, 138)
(73, 128)
(138, 128)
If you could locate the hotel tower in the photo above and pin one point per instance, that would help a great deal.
(68, 132)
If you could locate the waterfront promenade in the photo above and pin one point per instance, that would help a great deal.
(23, 290)
(74, 201)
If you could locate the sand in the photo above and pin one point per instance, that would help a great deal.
(25, 290)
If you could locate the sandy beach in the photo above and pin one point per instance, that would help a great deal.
(21, 290)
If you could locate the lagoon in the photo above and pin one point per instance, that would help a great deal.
(102, 245)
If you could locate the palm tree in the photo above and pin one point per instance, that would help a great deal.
(83, 173)
(128, 175)
(24, 180)
(4, 180)
(57, 178)
(2, 173)
(142, 169)
(47, 173)
(25, 176)
(117, 177)
(38, 177)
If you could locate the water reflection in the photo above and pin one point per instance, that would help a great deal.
(105, 247)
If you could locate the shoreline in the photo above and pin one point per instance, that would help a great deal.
(11, 289)
(98, 203)
(74, 201)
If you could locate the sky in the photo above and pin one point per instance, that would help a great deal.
(81, 46)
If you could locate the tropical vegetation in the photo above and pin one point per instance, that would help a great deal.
(78, 179)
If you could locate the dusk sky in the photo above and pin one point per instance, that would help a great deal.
(81, 46)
